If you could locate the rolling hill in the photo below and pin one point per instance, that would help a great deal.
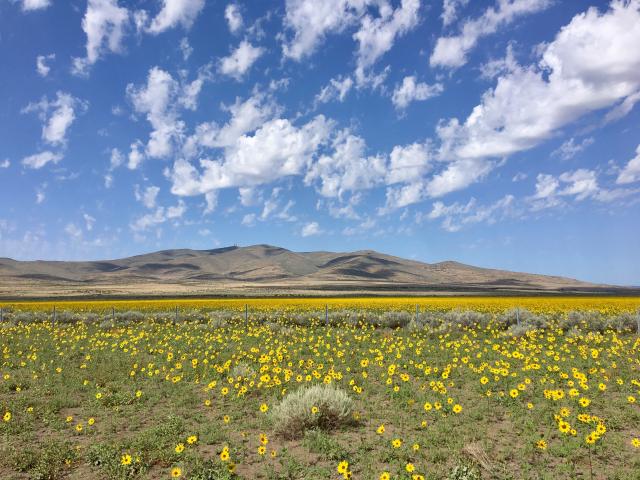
(266, 270)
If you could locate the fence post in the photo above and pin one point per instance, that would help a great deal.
(518, 315)
(246, 315)
(417, 312)
(53, 317)
(1, 315)
(113, 314)
(176, 320)
(326, 314)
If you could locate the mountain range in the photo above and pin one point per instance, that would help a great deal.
(268, 270)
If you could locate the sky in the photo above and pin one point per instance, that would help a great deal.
(498, 133)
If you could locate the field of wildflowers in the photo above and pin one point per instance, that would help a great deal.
(367, 388)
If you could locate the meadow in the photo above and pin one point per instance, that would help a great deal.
(365, 388)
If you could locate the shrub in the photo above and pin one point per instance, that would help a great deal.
(466, 318)
(464, 472)
(393, 319)
(294, 414)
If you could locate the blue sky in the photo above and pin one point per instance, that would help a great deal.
(501, 133)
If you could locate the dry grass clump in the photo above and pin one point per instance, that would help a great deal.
(320, 406)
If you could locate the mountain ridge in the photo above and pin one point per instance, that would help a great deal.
(265, 269)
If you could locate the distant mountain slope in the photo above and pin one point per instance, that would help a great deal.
(260, 268)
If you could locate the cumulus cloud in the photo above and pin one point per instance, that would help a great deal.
(240, 60)
(411, 91)
(6, 163)
(570, 148)
(275, 150)
(377, 35)
(310, 229)
(148, 196)
(338, 88)
(39, 160)
(347, 168)
(104, 23)
(577, 185)
(161, 100)
(234, 17)
(452, 51)
(456, 215)
(32, 5)
(450, 10)
(159, 216)
(174, 13)
(57, 116)
(41, 64)
(589, 66)
(631, 171)
(311, 22)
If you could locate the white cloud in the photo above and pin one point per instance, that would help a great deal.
(212, 201)
(338, 88)
(159, 216)
(411, 91)
(104, 23)
(148, 196)
(6, 163)
(408, 164)
(347, 168)
(161, 99)
(452, 51)
(57, 116)
(40, 194)
(450, 10)
(577, 185)
(39, 160)
(41, 64)
(311, 229)
(116, 159)
(570, 148)
(136, 156)
(174, 13)
(246, 117)
(31, 5)
(589, 66)
(456, 216)
(73, 231)
(631, 172)
(240, 60)
(377, 35)
(89, 221)
(234, 17)
(185, 48)
(311, 21)
(277, 149)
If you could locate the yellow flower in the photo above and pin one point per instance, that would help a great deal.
(264, 439)
(396, 442)
(224, 454)
(91, 421)
(6, 417)
(384, 476)
(176, 472)
(314, 410)
(179, 448)
(635, 442)
(514, 392)
(262, 449)
(264, 407)
(409, 467)
(541, 444)
(343, 466)
(415, 447)
(192, 439)
(457, 408)
(98, 396)
(380, 429)
(125, 459)
(79, 427)
(226, 419)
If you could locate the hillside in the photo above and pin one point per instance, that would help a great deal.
(265, 270)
